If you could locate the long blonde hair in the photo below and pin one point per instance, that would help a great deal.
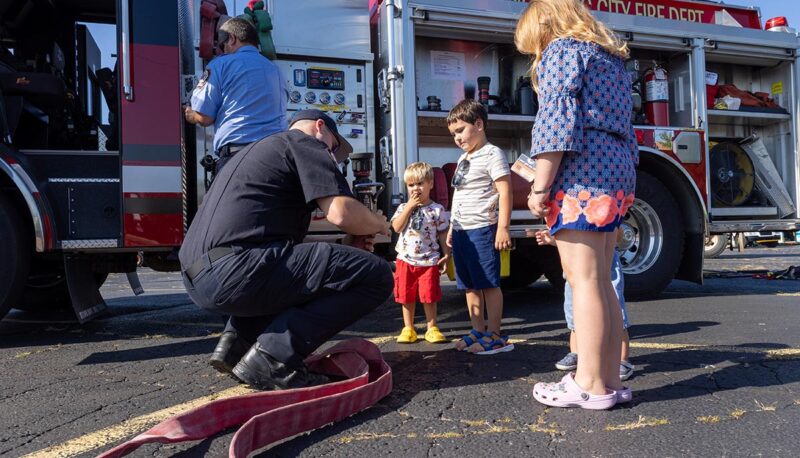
(546, 20)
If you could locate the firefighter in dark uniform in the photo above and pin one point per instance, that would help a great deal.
(241, 93)
(244, 254)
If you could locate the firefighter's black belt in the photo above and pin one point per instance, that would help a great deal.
(206, 260)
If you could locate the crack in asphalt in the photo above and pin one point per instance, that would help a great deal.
(42, 433)
(90, 412)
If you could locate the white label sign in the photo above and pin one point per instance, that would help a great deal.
(657, 91)
(446, 65)
(711, 78)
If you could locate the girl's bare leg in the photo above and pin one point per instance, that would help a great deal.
(583, 259)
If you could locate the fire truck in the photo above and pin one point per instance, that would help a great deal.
(98, 168)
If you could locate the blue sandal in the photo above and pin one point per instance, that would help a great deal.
(472, 338)
(496, 344)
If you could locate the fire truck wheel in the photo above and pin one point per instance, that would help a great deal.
(653, 235)
(550, 265)
(524, 271)
(49, 292)
(556, 278)
(15, 256)
(715, 245)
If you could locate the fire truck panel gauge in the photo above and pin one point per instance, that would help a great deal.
(311, 97)
(324, 78)
(338, 99)
(295, 97)
(324, 98)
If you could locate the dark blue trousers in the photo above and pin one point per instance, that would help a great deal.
(292, 298)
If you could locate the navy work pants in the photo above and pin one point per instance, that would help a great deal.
(292, 298)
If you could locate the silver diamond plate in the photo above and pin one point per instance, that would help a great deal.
(83, 180)
(91, 243)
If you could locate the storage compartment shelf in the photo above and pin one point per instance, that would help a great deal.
(746, 117)
(504, 117)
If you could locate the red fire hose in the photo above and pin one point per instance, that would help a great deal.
(271, 416)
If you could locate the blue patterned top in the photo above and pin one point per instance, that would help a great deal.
(585, 108)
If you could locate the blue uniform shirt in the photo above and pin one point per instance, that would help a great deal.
(245, 94)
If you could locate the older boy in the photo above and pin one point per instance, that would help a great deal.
(480, 217)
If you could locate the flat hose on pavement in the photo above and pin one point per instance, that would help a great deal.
(271, 416)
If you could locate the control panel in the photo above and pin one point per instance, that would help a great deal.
(325, 78)
(326, 86)
(338, 89)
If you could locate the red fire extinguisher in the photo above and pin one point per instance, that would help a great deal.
(656, 81)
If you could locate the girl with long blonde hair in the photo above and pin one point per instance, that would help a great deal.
(586, 154)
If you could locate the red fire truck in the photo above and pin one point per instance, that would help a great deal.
(85, 189)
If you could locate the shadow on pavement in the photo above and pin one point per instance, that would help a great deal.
(753, 365)
(650, 331)
(171, 350)
(124, 320)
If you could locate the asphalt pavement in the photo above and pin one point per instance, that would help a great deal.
(717, 374)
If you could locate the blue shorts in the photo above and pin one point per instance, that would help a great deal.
(477, 262)
(617, 279)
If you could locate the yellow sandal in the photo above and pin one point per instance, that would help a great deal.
(434, 335)
(407, 335)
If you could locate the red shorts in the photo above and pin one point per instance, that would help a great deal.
(409, 279)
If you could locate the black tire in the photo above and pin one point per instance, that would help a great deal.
(715, 245)
(48, 291)
(550, 263)
(15, 256)
(654, 238)
(523, 271)
(541, 260)
(556, 278)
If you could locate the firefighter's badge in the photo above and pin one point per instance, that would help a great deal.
(204, 79)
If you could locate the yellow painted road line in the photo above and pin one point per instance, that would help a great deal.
(634, 344)
(129, 428)
(381, 340)
(664, 346)
(563, 343)
(783, 353)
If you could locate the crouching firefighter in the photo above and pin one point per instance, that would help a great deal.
(243, 255)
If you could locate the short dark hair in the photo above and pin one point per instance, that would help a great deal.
(242, 29)
(468, 110)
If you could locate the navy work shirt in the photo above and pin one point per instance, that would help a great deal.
(245, 94)
(266, 192)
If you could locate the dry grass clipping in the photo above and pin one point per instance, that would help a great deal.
(709, 419)
(738, 413)
(642, 422)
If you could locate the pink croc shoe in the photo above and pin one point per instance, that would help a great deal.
(567, 393)
(624, 394)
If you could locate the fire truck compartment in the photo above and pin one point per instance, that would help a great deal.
(773, 126)
(83, 189)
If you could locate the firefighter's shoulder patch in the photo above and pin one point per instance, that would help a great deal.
(204, 79)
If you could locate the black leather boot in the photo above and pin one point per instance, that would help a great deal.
(230, 349)
(262, 371)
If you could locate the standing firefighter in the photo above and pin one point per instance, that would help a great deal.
(243, 255)
(241, 93)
